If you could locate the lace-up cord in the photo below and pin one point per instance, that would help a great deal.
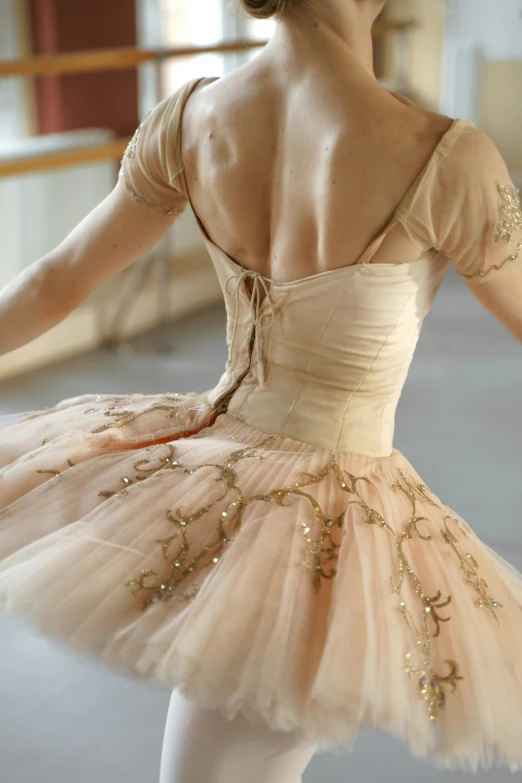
(259, 286)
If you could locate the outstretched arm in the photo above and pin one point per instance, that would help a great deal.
(147, 199)
(110, 238)
(482, 230)
(502, 296)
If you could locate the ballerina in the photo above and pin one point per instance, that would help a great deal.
(262, 549)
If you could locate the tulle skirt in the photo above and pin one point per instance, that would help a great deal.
(305, 588)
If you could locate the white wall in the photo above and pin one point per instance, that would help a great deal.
(477, 31)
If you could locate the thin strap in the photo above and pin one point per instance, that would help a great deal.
(441, 150)
(375, 245)
(189, 89)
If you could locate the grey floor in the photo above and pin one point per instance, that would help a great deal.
(459, 422)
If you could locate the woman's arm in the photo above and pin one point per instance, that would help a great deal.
(114, 235)
(502, 297)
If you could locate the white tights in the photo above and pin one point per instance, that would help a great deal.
(201, 746)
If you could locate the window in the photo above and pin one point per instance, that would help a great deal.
(258, 30)
(194, 23)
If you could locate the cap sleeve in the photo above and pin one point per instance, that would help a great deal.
(152, 163)
(470, 209)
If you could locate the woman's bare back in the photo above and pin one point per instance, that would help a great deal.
(296, 170)
(294, 164)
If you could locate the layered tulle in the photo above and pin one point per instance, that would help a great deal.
(312, 589)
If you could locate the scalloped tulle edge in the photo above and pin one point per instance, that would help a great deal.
(324, 724)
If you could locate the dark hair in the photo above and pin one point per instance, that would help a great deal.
(264, 9)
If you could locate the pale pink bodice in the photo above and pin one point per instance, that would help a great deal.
(324, 359)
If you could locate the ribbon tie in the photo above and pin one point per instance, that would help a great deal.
(260, 286)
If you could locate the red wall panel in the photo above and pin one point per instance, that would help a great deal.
(106, 100)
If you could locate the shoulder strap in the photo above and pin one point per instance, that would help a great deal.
(438, 156)
(400, 215)
(186, 92)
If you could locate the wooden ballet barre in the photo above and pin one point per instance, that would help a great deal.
(130, 57)
(112, 59)
(112, 150)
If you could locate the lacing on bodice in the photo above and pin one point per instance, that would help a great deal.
(323, 360)
(259, 294)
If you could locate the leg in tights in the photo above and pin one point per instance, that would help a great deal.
(201, 746)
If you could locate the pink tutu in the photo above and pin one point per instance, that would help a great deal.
(307, 588)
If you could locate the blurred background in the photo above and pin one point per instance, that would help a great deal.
(76, 77)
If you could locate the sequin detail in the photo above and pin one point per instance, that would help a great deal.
(431, 683)
(322, 540)
(54, 471)
(322, 551)
(129, 154)
(467, 562)
(496, 267)
(182, 564)
(130, 151)
(144, 469)
(120, 416)
(469, 566)
(139, 199)
(510, 222)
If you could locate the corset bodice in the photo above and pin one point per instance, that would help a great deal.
(324, 359)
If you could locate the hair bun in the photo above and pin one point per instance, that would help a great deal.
(264, 9)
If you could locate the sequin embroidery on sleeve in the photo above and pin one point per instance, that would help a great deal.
(135, 196)
(512, 215)
(130, 154)
(508, 227)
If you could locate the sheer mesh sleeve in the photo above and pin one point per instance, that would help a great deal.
(151, 165)
(469, 208)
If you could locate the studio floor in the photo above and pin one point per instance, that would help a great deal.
(459, 422)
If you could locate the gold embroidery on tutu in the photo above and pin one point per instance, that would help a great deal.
(53, 471)
(122, 416)
(510, 222)
(430, 682)
(469, 565)
(321, 551)
(467, 562)
(144, 470)
(183, 564)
